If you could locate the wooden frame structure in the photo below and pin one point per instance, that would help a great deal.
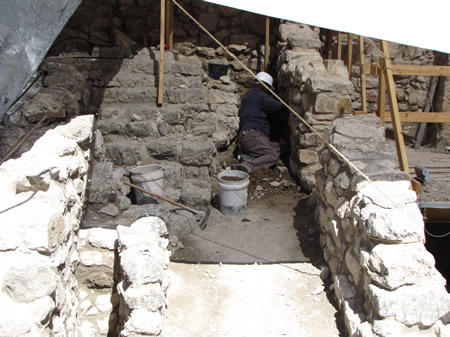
(386, 85)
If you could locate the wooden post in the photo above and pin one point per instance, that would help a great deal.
(169, 24)
(381, 92)
(362, 74)
(395, 116)
(329, 44)
(339, 47)
(350, 55)
(267, 46)
(422, 126)
(161, 53)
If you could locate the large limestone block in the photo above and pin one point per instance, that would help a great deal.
(410, 304)
(299, 35)
(196, 193)
(149, 296)
(142, 232)
(144, 265)
(197, 152)
(164, 148)
(392, 266)
(80, 129)
(398, 224)
(25, 283)
(333, 103)
(125, 153)
(328, 82)
(362, 126)
(143, 323)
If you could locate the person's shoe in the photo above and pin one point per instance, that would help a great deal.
(240, 167)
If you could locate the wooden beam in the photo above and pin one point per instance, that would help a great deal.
(350, 55)
(161, 53)
(415, 117)
(339, 47)
(267, 45)
(371, 69)
(362, 74)
(381, 96)
(169, 24)
(392, 98)
(405, 69)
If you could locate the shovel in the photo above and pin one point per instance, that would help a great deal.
(204, 215)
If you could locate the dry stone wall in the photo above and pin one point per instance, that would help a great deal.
(319, 91)
(42, 199)
(372, 236)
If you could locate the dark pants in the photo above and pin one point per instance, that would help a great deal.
(258, 145)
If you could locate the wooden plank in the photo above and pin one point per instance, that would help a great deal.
(415, 117)
(339, 47)
(161, 52)
(362, 74)
(267, 45)
(371, 69)
(406, 69)
(392, 98)
(350, 55)
(169, 24)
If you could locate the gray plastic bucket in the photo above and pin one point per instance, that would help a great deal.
(151, 178)
(233, 193)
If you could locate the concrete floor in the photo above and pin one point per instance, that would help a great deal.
(252, 275)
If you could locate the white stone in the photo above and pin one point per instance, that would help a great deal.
(144, 266)
(87, 329)
(149, 296)
(144, 322)
(387, 194)
(142, 231)
(103, 302)
(402, 224)
(97, 258)
(388, 264)
(28, 282)
(410, 305)
(102, 238)
(80, 129)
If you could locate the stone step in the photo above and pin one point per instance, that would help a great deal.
(143, 120)
(130, 95)
(195, 151)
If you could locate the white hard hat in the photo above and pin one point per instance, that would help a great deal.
(265, 77)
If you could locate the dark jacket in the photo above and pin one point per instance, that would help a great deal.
(256, 105)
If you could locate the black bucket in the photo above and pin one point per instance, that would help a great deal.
(216, 71)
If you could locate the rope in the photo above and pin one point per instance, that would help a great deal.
(286, 105)
(399, 242)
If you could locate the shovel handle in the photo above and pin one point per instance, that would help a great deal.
(162, 198)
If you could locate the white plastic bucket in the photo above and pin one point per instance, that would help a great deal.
(151, 178)
(233, 191)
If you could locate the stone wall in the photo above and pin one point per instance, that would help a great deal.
(42, 197)
(372, 237)
(107, 24)
(319, 91)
